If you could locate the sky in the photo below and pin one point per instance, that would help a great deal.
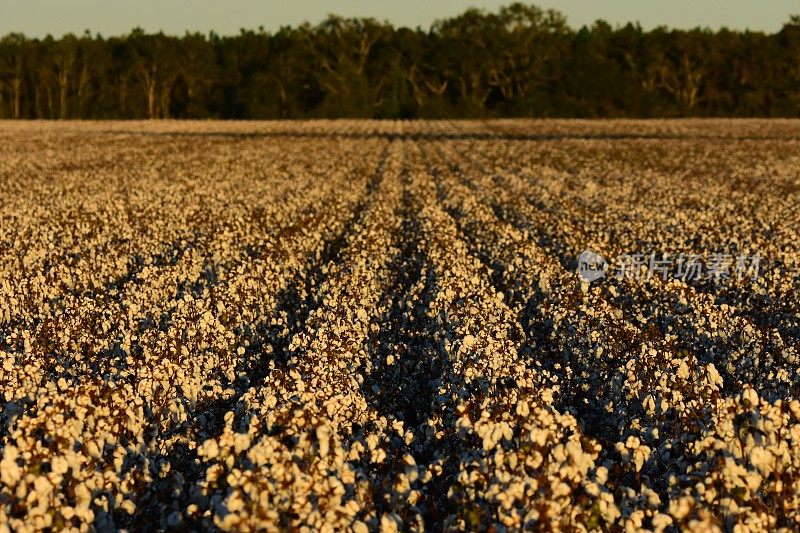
(37, 18)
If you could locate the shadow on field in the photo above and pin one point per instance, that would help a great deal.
(406, 388)
(456, 136)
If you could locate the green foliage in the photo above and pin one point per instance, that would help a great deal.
(520, 61)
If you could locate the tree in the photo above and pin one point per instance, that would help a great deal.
(682, 71)
(65, 55)
(155, 66)
(340, 51)
(520, 60)
(14, 48)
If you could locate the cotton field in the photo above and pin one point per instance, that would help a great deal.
(382, 326)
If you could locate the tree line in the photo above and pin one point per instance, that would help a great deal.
(518, 61)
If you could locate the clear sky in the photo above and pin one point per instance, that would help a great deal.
(114, 17)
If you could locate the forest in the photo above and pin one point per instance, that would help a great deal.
(521, 61)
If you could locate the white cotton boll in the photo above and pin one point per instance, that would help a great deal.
(372, 441)
(713, 375)
(378, 456)
(323, 436)
(762, 459)
(59, 465)
(241, 442)
(209, 449)
(661, 521)
(649, 405)
(10, 472)
(467, 342)
(640, 456)
(749, 398)
(681, 507)
(82, 494)
(683, 370)
(94, 449)
(390, 523)
(601, 475)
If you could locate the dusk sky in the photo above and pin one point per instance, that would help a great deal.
(113, 17)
